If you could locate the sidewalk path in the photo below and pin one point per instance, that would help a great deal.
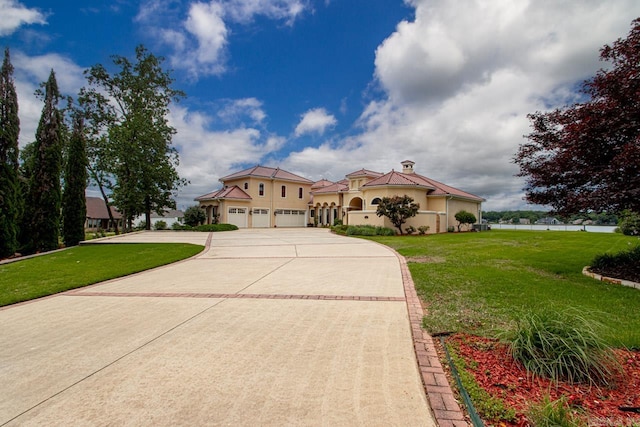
(265, 327)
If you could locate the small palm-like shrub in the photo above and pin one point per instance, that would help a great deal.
(563, 346)
(553, 413)
(423, 229)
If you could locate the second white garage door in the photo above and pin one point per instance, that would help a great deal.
(260, 218)
(290, 218)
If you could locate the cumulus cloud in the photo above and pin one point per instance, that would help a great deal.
(206, 153)
(459, 82)
(30, 71)
(15, 14)
(316, 120)
(237, 109)
(200, 41)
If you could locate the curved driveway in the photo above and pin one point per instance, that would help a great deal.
(265, 327)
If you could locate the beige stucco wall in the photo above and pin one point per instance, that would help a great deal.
(272, 198)
(326, 199)
(457, 205)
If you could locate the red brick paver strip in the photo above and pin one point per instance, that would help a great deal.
(208, 295)
(444, 405)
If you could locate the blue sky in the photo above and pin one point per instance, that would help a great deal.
(326, 87)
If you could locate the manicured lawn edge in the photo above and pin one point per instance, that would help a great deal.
(80, 266)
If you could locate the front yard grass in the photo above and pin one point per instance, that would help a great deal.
(482, 283)
(84, 265)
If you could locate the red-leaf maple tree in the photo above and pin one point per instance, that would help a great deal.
(587, 156)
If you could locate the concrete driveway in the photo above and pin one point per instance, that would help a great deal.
(265, 327)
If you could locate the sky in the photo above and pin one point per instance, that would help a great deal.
(323, 88)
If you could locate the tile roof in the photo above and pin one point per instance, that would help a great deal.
(322, 183)
(333, 188)
(397, 178)
(233, 192)
(363, 172)
(266, 172)
(96, 209)
(414, 179)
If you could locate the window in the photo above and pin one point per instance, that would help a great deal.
(246, 185)
(376, 201)
(283, 191)
(300, 193)
(261, 189)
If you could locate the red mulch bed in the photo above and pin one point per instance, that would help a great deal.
(502, 377)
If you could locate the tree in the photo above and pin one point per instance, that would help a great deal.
(10, 195)
(194, 216)
(464, 217)
(74, 205)
(587, 156)
(131, 149)
(398, 209)
(44, 196)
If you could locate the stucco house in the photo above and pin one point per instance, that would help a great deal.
(267, 197)
(259, 197)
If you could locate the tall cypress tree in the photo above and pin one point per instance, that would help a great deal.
(10, 206)
(74, 206)
(44, 186)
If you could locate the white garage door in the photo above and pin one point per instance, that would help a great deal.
(260, 218)
(238, 217)
(290, 218)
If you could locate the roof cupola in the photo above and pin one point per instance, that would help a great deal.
(407, 166)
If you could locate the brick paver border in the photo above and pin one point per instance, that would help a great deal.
(441, 398)
(79, 293)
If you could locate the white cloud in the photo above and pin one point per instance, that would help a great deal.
(14, 14)
(29, 72)
(233, 110)
(207, 154)
(244, 11)
(316, 120)
(200, 41)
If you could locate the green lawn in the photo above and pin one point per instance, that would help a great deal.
(483, 282)
(83, 265)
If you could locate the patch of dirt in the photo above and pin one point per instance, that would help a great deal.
(496, 372)
(426, 259)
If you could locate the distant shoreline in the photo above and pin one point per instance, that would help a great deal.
(557, 227)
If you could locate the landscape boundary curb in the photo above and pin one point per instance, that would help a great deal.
(443, 403)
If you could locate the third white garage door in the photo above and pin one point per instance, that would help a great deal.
(290, 218)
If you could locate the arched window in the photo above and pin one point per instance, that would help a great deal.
(246, 185)
(376, 201)
(261, 189)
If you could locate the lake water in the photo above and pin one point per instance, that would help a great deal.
(568, 227)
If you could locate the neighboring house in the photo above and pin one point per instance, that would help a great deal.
(259, 197)
(98, 217)
(268, 197)
(549, 221)
(169, 216)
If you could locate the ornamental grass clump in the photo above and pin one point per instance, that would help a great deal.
(553, 413)
(563, 346)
